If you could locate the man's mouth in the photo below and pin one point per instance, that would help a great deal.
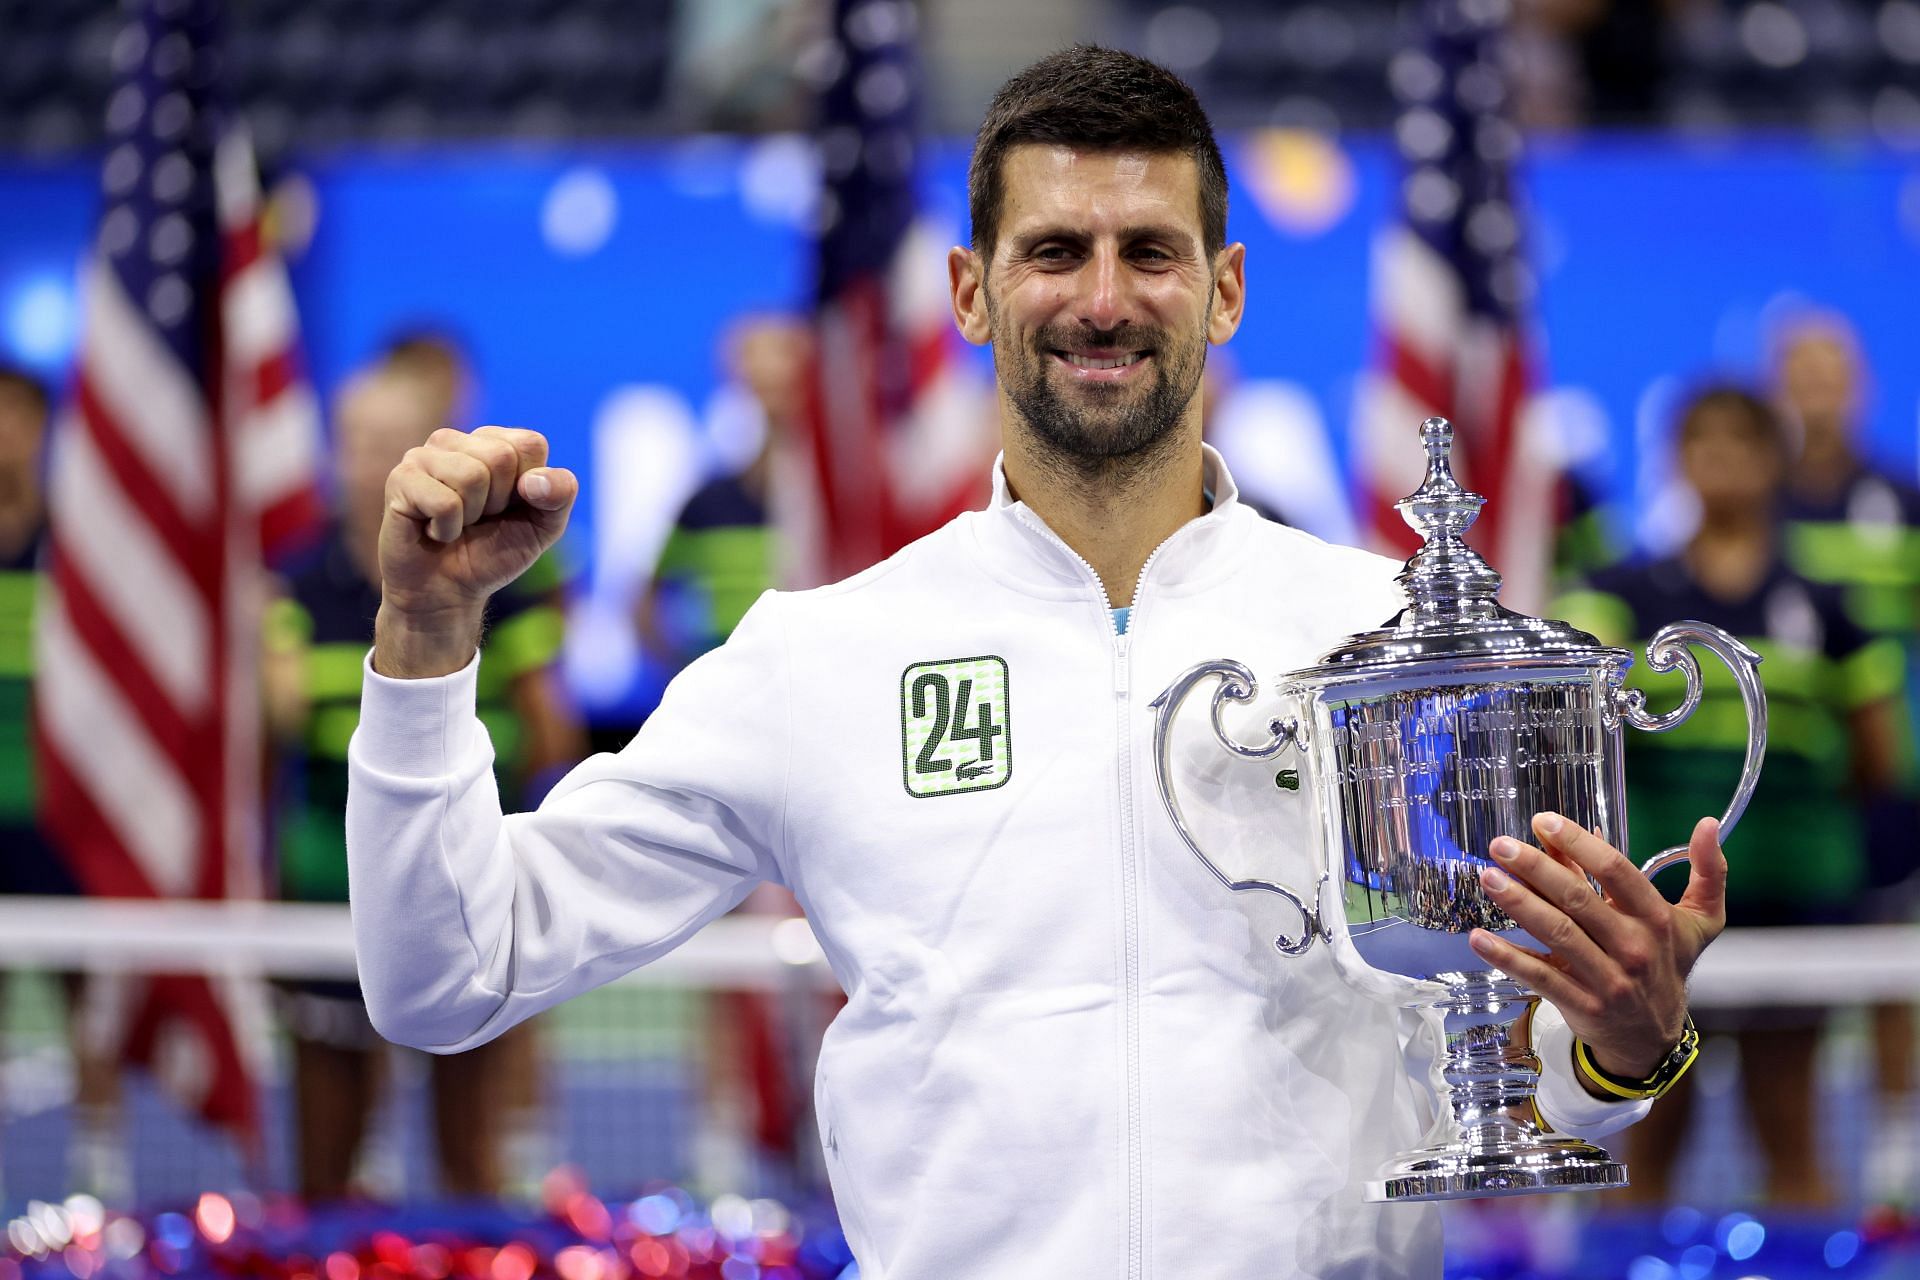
(1101, 361)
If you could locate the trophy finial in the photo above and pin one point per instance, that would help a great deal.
(1446, 580)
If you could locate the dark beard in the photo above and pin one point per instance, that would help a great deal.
(1112, 430)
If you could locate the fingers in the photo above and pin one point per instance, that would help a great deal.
(1536, 971)
(1544, 898)
(480, 473)
(549, 488)
(1631, 891)
(417, 496)
(465, 475)
(1562, 882)
(531, 446)
(488, 447)
(1706, 894)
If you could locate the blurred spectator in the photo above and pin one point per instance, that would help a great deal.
(1854, 527)
(1797, 857)
(439, 366)
(28, 863)
(1583, 543)
(722, 551)
(485, 1100)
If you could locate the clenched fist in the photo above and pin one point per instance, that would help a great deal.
(466, 513)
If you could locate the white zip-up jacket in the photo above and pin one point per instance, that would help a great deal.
(1066, 1051)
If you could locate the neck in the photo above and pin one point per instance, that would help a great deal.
(360, 534)
(1824, 467)
(1731, 551)
(1115, 513)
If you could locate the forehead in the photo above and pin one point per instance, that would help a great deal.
(379, 412)
(1721, 420)
(1046, 186)
(1818, 351)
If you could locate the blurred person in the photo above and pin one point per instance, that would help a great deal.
(438, 364)
(720, 556)
(1061, 1053)
(1831, 689)
(722, 550)
(1856, 528)
(29, 862)
(317, 633)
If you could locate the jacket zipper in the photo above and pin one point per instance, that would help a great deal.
(1130, 894)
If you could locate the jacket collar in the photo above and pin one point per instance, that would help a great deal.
(1016, 546)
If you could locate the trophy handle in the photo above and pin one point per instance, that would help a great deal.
(1236, 685)
(1668, 650)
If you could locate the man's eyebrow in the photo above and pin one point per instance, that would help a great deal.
(1040, 235)
(1177, 237)
(1167, 233)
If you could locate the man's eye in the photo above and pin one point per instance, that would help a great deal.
(1052, 253)
(1152, 255)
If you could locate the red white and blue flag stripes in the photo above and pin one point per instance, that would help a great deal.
(190, 443)
(1451, 295)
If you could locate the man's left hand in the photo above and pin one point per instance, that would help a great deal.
(1616, 963)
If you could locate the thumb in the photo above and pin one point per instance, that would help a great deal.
(549, 490)
(1706, 894)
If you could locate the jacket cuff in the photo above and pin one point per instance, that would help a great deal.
(416, 728)
(1564, 1103)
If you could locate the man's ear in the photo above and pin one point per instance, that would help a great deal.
(967, 281)
(1229, 293)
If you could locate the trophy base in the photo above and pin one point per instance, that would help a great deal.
(1549, 1164)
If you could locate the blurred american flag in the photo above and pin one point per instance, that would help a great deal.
(1451, 295)
(191, 441)
(895, 442)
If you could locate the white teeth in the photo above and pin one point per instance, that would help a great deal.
(1091, 362)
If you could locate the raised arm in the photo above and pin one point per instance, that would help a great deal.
(467, 921)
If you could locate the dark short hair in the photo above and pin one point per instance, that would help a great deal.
(425, 344)
(24, 382)
(1102, 100)
(1763, 420)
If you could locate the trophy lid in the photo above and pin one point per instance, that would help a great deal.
(1452, 610)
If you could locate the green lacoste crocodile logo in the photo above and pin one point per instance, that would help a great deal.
(1287, 779)
(955, 732)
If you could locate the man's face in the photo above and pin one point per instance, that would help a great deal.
(1729, 460)
(769, 355)
(378, 418)
(23, 426)
(1100, 298)
(1821, 383)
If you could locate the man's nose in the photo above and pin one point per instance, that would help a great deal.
(1105, 300)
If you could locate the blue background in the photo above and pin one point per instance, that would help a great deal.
(1661, 261)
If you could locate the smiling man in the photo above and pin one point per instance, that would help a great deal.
(1063, 1053)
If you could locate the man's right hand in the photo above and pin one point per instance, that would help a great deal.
(466, 514)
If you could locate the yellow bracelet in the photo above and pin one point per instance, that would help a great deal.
(1664, 1076)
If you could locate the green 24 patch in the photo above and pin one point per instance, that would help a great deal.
(955, 732)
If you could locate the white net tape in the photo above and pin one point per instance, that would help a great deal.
(1856, 964)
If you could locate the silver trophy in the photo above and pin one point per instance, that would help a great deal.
(1422, 741)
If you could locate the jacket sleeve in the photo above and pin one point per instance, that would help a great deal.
(1565, 1104)
(467, 922)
